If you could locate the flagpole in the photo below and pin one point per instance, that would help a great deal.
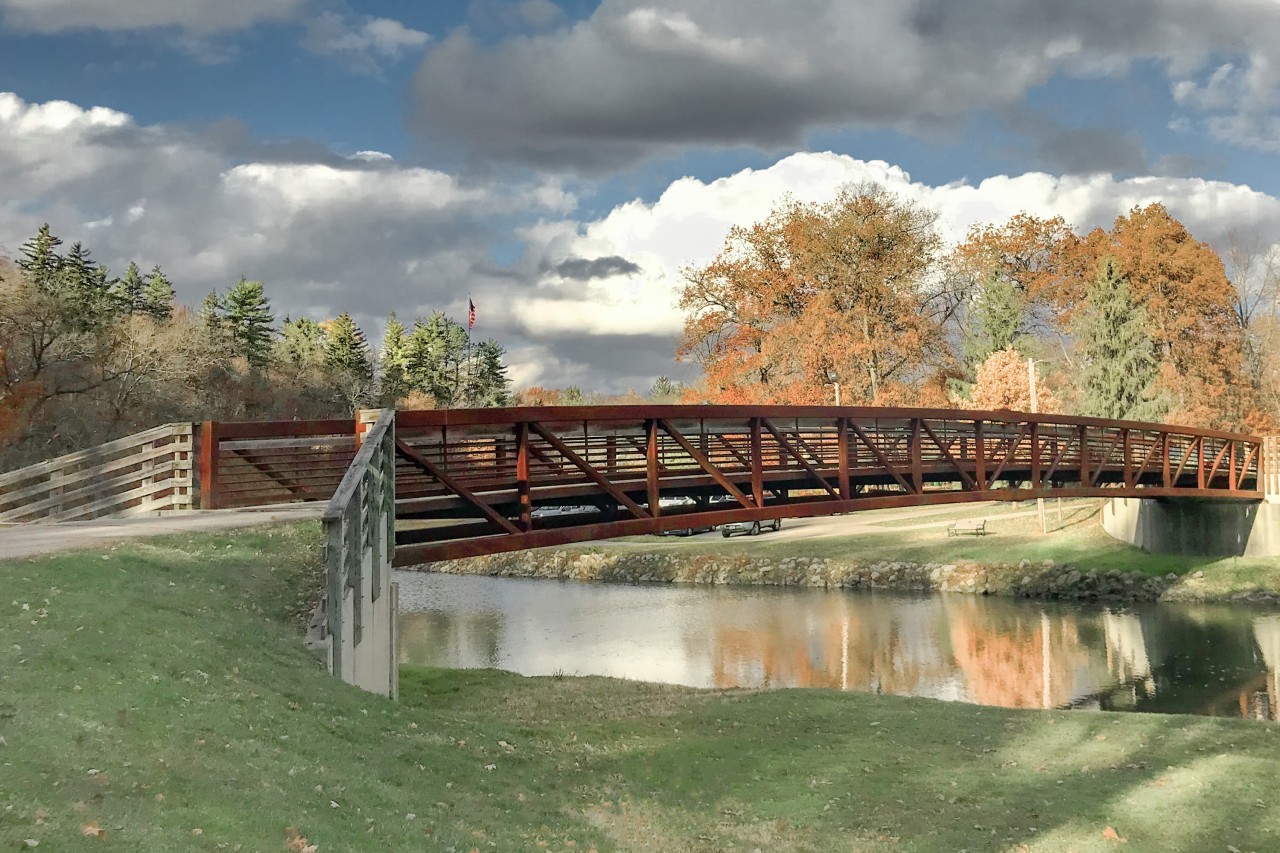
(471, 319)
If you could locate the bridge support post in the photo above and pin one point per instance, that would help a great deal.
(1197, 526)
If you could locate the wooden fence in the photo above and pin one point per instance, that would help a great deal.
(359, 634)
(253, 463)
(134, 475)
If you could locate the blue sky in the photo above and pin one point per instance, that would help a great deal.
(521, 136)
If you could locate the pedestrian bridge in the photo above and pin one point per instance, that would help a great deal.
(413, 487)
(474, 482)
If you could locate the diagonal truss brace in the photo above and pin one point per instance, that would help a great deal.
(804, 463)
(592, 474)
(705, 464)
(453, 485)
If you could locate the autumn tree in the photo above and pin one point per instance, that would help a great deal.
(1003, 381)
(842, 286)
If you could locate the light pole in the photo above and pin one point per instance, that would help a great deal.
(834, 379)
(1031, 376)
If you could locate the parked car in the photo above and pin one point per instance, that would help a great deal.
(686, 531)
(751, 528)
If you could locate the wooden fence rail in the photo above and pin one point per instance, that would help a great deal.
(134, 475)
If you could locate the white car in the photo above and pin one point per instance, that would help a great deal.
(751, 528)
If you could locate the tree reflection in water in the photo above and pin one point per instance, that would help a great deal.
(1218, 660)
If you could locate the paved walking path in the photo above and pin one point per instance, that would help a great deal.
(27, 540)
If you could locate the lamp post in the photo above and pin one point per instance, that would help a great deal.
(1031, 376)
(834, 379)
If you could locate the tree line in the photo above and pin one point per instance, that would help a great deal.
(86, 357)
(1139, 321)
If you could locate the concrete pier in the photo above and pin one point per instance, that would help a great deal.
(1195, 526)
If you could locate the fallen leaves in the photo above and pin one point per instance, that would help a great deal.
(296, 842)
(1110, 834)
(93, 830)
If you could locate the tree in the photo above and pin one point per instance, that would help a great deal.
(158, 295)
(301, 345)
(39, 258)
(434, 355)
(346, 356)
(1004, 382)
(394, 384)
(129, 290)
(210, 312)
(248, 319)
(998, 322)
(86, 284)
(842, 286)
(488, 382)
(536, 395)
(665, 390)
(1190, 309)
(1120, 366)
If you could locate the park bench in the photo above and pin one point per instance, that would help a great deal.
(974, 526)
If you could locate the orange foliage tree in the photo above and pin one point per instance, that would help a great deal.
(814, 288)
(16, 401)
(1004, 382)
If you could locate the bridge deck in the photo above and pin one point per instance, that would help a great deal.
(472, 482)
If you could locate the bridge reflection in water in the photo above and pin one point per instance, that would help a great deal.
(1215, 660)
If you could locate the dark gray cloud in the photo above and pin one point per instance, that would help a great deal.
(586, 269)
(641, 78)
(1093, 150)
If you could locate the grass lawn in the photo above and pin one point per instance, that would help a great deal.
(156, 696)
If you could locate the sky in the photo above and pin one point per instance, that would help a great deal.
(559, 163)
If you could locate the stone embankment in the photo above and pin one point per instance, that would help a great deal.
(1047, 579)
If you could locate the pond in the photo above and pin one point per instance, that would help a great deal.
(1194, 659)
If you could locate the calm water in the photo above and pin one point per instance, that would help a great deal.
(1216, 660)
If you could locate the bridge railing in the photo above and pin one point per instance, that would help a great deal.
(359, 632)
(472, 481)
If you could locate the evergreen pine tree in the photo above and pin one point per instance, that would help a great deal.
(665, 390)
(488, 382)
(157, 296)
(346, 350)
(997, 322)
(433, 358)
(210, 313)
(302, 343)
(1120, 366)
(129, 289)
(40, 260)
(394, 384)
(248, 319)
(85, 284)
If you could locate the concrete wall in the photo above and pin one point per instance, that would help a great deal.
(1195, 526)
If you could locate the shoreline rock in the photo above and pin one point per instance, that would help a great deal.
(1024, 578)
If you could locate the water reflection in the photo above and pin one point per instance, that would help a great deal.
(1215, 660)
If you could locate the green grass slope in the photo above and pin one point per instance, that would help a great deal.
(157, 697)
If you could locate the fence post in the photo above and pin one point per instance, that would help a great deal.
(209, 465)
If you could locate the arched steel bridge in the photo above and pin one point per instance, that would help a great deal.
(478, 481)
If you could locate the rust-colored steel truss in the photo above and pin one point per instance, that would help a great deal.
(483, 481)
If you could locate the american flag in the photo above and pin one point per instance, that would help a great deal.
(471, 314)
